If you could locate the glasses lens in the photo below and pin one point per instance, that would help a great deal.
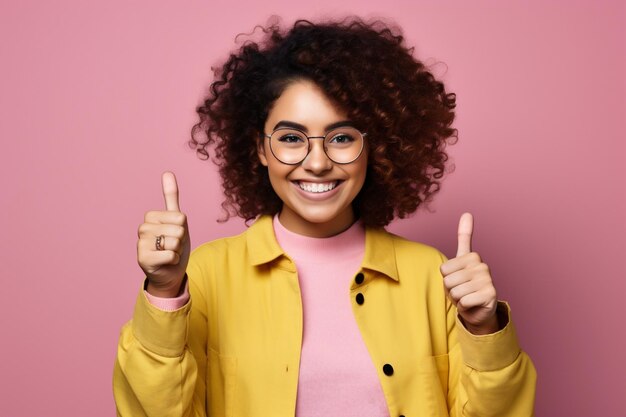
(343, 144)
(289, 146)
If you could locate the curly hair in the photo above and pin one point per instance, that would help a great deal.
(369, 72)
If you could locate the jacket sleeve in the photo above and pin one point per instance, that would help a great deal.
(161, 358)
(489, 374)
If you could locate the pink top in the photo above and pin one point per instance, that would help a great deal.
(337, 375)
(169, 304)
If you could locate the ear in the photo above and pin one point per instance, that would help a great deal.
(260, 149)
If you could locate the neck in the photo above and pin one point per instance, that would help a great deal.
(305, 250)
(301, 226)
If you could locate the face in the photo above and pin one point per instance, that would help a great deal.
(305, 211)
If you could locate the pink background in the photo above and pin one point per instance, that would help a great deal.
(97, 99)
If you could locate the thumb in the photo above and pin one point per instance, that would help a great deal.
(466, 226)
(170, 191)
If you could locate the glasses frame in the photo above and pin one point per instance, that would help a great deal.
(363, 135)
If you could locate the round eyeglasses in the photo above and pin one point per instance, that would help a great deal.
(342, 145)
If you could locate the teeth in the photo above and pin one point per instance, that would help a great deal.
(314, 187)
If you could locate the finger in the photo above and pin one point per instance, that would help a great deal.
(463, 290)
(150, 231)
(165, 217)
(170, 191)
(168, 243)
(164, 257)
(482, 298)
(456, 264)
(457, 278)
(466, 226)
(478, 273)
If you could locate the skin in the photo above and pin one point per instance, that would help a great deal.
(165, 269)
(303, 102)
(469, 285)
(466, 278)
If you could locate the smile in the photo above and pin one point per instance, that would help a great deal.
(317, 187)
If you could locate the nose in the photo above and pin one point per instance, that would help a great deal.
(317, 161)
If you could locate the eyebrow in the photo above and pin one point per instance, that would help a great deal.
(287, 123)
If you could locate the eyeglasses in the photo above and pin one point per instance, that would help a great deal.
(342, 145)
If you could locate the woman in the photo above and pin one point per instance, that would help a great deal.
(323, 135)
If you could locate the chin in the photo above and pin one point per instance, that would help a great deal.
(318, 218)
(323, 216)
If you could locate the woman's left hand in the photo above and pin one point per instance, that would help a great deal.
(468, 283)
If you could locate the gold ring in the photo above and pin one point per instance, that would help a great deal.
(160, 239)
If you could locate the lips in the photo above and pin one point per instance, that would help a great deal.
(317, 187)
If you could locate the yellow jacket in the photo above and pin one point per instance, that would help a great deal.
(234, 349)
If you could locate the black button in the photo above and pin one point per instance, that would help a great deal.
(360, 299)
(388, 369)
(401, 415)
(359, 278)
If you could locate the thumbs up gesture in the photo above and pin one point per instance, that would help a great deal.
(163, 247)
(468, 283)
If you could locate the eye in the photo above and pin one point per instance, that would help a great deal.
(290, 138)
(342, 138)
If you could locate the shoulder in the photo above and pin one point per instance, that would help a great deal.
(407, 250)
(221, 245)
(396, 256)
(416, 254)
(254, 246)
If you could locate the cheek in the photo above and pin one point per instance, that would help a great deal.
(361, 175)
(278, 174)
(362, 172)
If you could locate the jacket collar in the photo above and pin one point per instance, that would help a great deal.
(261, 241)
(379, 250)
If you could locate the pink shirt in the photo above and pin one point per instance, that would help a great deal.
(337, 376)
(169, 304)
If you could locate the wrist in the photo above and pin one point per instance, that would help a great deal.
(172, 290)
(490, 326)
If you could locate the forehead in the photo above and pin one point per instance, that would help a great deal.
(305, 103)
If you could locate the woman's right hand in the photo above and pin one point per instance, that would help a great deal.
(165, 269)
